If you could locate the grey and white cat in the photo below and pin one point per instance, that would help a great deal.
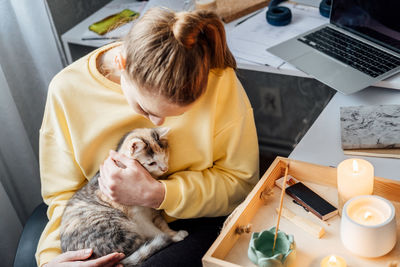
(91, 220)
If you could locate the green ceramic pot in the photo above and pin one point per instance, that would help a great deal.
(260, 249)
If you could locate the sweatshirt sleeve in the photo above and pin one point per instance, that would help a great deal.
(217, 190)
(60, 174)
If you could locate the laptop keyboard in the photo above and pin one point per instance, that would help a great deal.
(352, 52)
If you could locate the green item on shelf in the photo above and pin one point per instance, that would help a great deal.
(113, 21)
(260, 249)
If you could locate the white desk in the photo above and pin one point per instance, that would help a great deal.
(73, 37)
(322, 142)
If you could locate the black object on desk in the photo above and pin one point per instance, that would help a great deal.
(278, 15)
(281, 16)
(311, 201)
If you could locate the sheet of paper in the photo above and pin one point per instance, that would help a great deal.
(314, 3)
(240, 47)
(251, 38)
(176, 5)
(113, 8)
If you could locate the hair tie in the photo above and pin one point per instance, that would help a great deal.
(120, 62)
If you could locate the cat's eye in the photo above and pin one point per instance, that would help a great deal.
(152, 164)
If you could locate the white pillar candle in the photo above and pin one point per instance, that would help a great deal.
(368, 226)
(355, 177)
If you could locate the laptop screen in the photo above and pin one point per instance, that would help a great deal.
(375, 20)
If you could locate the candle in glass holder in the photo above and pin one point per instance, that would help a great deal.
(333, 261)
(355, 177)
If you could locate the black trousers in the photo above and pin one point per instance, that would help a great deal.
(188, 253)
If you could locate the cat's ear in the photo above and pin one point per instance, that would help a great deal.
(163, 131)
(137, 145)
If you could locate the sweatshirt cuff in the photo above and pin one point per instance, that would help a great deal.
(45, 257)
(172, 196)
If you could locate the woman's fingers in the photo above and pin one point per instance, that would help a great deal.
(77, 255)
(101, 186)
(102, 183)
(112, 168)
(110, 165)
(79, 258)
(108, 173)
(105, 261)
(119, 159)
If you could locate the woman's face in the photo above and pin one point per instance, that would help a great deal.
(154, 107)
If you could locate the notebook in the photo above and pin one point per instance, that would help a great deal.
(371, 130)
(357, 48)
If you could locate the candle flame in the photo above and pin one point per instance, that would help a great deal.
(332, 259)
(355, 166)
(367, 215)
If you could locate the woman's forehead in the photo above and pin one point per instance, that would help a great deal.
(159, 106)
(154, 103)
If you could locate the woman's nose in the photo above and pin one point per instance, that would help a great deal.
(156, 120)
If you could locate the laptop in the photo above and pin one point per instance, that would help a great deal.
(358, 47)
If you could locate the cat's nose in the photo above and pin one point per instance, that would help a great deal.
(164, 168)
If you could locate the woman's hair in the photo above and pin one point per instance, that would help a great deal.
(171, 54)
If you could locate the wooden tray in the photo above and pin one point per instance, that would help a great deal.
(230, 248)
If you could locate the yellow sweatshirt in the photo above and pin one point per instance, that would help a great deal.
(213, 146)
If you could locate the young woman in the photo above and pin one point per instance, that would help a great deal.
(175, 70)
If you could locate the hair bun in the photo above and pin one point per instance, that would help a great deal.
(189, 25)
(171, 54)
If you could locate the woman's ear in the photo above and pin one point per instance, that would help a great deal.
(120, 61)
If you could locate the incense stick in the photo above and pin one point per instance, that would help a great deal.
(280, 206)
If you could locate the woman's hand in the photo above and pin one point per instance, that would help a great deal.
(125, 181)
(78, 257)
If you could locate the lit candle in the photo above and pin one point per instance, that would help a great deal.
(355, 177)
(333, 261)
(368, 216)
(368, 226)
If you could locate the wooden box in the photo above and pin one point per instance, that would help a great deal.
(229, 10)
(230, 248)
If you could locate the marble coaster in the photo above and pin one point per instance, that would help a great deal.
(370, 126)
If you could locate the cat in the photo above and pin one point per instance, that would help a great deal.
(92, 220)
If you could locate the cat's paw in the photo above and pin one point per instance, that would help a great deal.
(180, 235)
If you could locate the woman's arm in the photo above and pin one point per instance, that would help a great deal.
(59, 173)
(60, 178)
(219, 189)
